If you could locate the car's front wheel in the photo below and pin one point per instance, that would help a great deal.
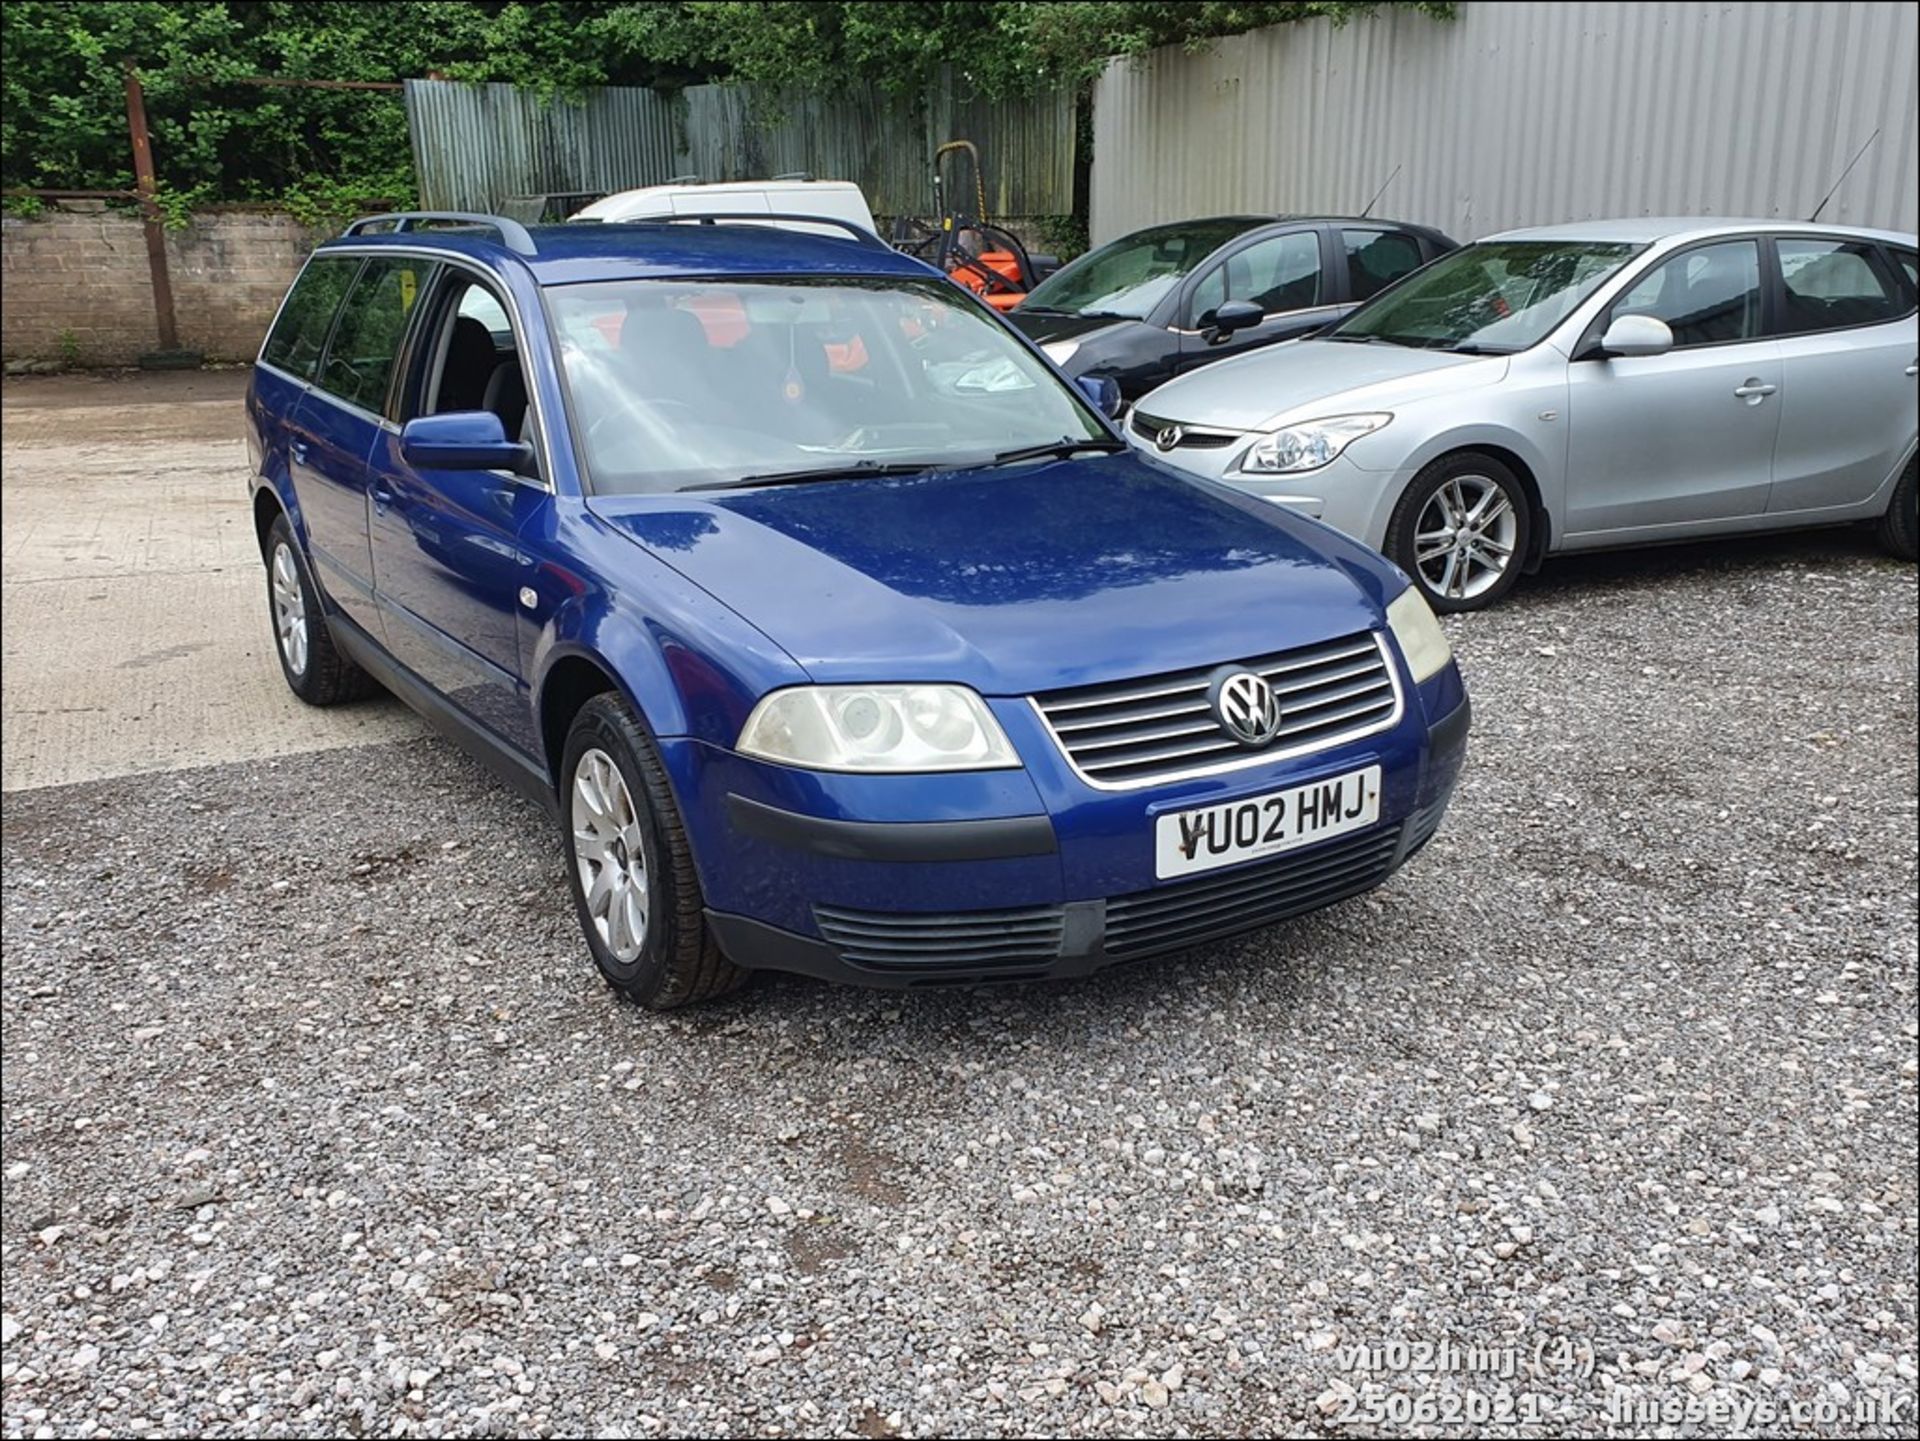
(630, 868)
(1461, 531)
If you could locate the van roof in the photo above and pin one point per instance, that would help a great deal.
(724, 187)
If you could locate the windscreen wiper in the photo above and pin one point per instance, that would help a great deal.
(1374, 337)
(1056, 448)
(858, 470)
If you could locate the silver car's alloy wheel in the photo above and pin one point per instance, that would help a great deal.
(1465, 537)
(289, 609)
(608, 849)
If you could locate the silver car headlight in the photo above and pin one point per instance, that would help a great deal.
(878, 728)
(1417, 629)
(1060, 351)
(1308, 445)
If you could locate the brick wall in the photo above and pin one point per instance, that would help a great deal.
(85, 275)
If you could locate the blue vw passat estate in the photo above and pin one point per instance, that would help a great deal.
(840, 633)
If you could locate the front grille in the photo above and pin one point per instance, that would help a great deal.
(1208, 907)
(1190, 439)
(969, 941)
(1140, 731)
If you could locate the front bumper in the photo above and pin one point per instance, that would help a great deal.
(1024, 875)
(1352, 500)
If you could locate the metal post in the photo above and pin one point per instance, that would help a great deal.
(150, 211)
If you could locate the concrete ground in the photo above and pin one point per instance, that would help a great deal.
(135, 622)
(318, 1120)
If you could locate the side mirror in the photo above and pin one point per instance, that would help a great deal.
(1636, 335)
(1103, 391)
(1229, 316)
(462, 440)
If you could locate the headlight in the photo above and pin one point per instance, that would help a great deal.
(878, 728)
(1422, 641)
(1307, 446)
(1060, 351)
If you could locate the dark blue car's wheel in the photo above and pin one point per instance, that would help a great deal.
(315, 669)
(629, 866)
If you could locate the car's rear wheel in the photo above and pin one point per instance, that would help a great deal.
(630, 868)
(315, 669)
(1461, 531)
(1899, 528)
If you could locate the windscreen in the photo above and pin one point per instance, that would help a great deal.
(676, 385)
(1495, 298)
(1133, 274)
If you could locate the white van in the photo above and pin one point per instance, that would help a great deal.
(784, 195)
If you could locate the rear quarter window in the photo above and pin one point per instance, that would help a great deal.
(300, 333)
(1909, 263)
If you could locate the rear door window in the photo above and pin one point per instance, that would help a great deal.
(360, 359)
(1377, 258)
(1832, 284)
(300, 332)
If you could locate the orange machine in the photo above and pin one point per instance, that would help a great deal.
(985, 258)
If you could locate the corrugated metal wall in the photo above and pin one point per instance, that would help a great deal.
(476, 145)
(1523, 114)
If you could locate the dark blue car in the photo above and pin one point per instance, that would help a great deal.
(840, 632)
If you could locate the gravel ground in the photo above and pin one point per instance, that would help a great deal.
(318, 1121)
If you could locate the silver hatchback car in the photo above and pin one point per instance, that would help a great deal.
(1607, 383)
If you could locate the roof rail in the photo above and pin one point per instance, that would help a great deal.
(759, 217)
(512, 233)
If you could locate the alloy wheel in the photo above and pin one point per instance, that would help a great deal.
(1466, 536)
(289, 609)
(611, 855)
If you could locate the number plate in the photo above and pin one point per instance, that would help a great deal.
(1222, 835)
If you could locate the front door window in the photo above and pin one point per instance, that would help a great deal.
(1278, 274)
(1707, 296)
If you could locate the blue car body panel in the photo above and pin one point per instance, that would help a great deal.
(471, 592)
(446, 547)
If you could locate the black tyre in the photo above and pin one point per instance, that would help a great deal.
(630, 868)
(315, 669)
(1899, 528)
(1462, 530)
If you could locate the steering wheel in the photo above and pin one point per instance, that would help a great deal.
(678, 406)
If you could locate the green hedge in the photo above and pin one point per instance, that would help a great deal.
(324, 152)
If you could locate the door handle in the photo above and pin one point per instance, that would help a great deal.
(1914, 369)
(381, 500)
(298, 450)
(1754, 390)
